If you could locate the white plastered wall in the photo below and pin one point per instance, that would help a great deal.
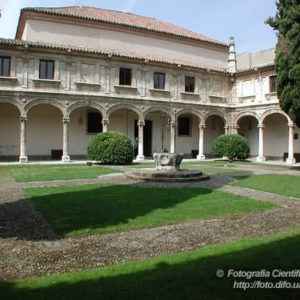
(214, 128)
(248, 129)
(275, 136)
(9, 130)
(44, 130)
(185, 144)
(121, 42)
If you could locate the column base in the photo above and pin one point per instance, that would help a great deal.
(201, 157)
(260, 159)
(291, 161)
(66, 158)
(23, 159)
(140, 158)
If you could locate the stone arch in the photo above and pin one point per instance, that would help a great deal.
(274, 111)
(16, 105)
(159, 109)
(216, 113)
(35, 103)
(83, 104)
(191, 112)
(246, 114)
(129, 107)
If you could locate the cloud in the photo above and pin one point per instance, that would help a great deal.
(130, 5)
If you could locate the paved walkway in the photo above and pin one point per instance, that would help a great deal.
(40, 252)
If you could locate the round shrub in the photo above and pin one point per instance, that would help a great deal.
(234, 147)
(111, 148)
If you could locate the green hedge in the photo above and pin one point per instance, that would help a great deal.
(111, 148)
(234, 147)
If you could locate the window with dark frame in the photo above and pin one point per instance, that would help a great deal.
(5, 65)
(94, 122)
(159, 80)
(273, 84)
(184, 126)
(189, 84)
(125, 76)
(46, 69)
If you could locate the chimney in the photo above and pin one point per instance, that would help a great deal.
(232, 57)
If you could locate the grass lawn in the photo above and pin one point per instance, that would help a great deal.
(190, 275)
(279, 184)
(93, 209)
(56, 172)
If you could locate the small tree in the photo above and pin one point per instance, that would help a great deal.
(287, 24)
(111, 148)
(234, 147)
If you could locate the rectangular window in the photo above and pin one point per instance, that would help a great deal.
(94, 122)
(189, 84)
(159, 80)
(273, 84)
(46, 69)
(125, 76)
(184, 126)
(5, 64)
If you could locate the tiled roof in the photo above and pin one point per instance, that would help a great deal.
(19, 44)
(250, 61)
(123, 18)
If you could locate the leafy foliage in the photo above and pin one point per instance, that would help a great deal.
(111, 148)
(287, 24)
(231, 146)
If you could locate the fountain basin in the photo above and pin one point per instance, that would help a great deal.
(172, 175)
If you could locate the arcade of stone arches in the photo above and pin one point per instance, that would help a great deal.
(42, 130)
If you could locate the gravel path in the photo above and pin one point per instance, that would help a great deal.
(41, 253)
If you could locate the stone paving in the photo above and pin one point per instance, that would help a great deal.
(28, 246)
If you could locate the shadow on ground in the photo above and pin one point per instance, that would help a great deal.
(181, 277)
(77, 209)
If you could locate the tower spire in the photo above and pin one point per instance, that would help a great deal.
(232, 68)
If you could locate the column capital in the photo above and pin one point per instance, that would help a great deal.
(260, 125)
(172, 123)
(202, 126)
(141, 123)
(66, 120)
(291, 125)
(23, 118)
(105, 122)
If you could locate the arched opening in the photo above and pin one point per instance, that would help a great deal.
(187, 135)
(125, 121)
(9, 132)
(215, 126)
(247, 127)
(159, 122)
(85, 123)
(44, 132)
(276, 139)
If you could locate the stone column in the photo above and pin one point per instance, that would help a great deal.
(291, 159)
(23, 141)
(140, 155)
(235, 129)
(227, 129)
(261, 156)
(201, 155)
(66, 157)
(105, 123)
(172, 136)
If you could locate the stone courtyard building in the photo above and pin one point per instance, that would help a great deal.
(72, 72)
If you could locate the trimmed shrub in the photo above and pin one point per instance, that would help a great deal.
(234, 147)
(111, 148)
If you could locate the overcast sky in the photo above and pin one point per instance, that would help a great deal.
(243, 19)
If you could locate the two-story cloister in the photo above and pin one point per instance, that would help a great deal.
(73, 72)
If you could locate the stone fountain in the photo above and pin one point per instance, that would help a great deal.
(167, 168)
